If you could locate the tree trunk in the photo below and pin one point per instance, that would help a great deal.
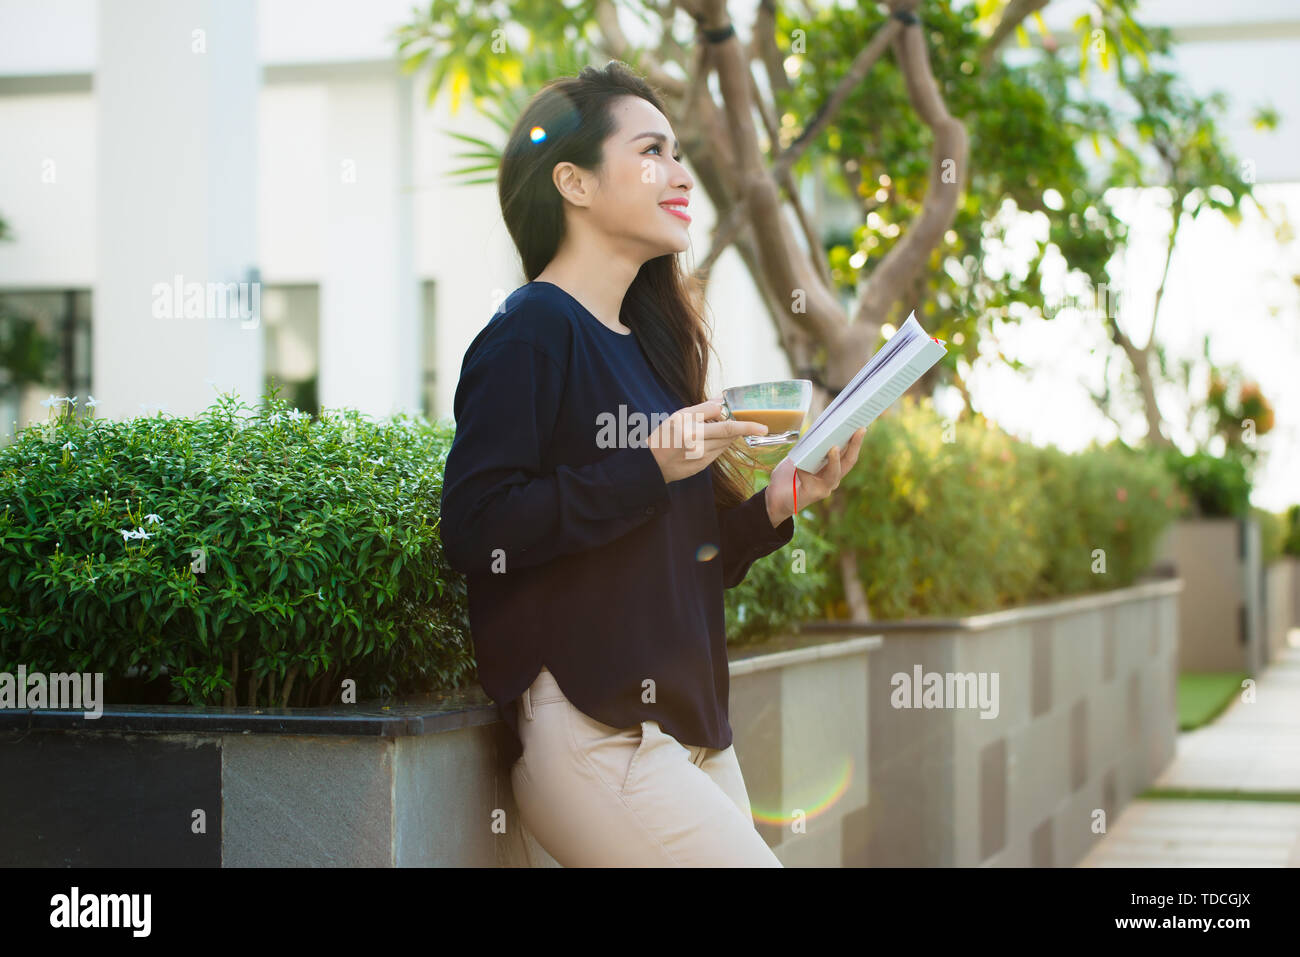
(855, 596)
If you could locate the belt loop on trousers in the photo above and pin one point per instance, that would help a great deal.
(528, 703)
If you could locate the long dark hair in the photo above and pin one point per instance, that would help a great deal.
(663, 305)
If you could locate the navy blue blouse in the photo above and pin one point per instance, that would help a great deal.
(578, 555)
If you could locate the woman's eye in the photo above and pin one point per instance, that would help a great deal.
(678, 157)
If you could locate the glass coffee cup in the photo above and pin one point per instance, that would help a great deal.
(781, 405)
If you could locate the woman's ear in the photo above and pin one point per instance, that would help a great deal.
(572, 183)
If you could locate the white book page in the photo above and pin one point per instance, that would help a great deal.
(888, 356)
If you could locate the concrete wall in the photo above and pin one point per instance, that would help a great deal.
(1295, 591)
(1281, 613)
(1087, 719)
(1220, 613)
(838, 774)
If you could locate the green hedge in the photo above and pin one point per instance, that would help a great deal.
(1111, 498)
(1218, 486)
(323, 561)
(1272, 535)
(1291, 540)
(784, 588)
(277, 557)
(961, 519)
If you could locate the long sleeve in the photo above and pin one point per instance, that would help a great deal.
(748, 535)
(496, 495)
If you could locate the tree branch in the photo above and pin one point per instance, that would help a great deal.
(763, 46)
(790, 273)
(1012, 16)
(862, 64)
(1177, 213)
(947, 174)
(617, 46)
(810, 232)
(1139, 359)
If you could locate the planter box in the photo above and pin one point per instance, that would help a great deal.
(1281, 582)
(1294, 562)
(1220, 616)
(1086, 718)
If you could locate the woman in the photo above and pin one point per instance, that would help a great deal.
(594, 498)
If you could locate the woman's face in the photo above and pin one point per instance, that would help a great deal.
(641, 173)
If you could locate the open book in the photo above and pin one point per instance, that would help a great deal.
(887, 375)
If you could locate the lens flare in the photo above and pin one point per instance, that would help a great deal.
(819, 800)
(537, 134)
(706, 552)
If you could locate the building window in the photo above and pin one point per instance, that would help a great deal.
(45, 347)
(291, 314)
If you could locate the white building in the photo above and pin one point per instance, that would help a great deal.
(149, 144)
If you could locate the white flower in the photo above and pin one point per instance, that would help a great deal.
(153, 519)
(273, 418)
(68, 445)
(50, 401)
(295, 415)
(91, 401)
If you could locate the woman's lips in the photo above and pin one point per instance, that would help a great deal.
(676, 211)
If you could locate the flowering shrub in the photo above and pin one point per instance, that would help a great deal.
(1216, 486)
(1112, 499)
(961, 518)
(252, 559)
(267, 558)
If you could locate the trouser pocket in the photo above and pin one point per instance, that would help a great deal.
(544, 690)
(611, 752)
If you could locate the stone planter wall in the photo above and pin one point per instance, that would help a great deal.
(836, 775)
(1281, 611)
(1087, 718)
(1220, 615)
(1295, 592)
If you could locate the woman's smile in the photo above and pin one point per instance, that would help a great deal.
(676, 210)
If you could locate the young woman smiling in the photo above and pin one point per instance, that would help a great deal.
(596, 576)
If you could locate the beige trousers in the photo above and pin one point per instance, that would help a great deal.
(598, 796)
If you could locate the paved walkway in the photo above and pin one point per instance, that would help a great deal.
(1250, 747)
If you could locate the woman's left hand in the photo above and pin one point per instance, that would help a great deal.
(811, 486)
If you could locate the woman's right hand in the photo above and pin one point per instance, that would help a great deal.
(691, 438)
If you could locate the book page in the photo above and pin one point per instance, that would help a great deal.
(889, 374)
(882, 359)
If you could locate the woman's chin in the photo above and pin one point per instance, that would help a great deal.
(682, 244)
(670, 245)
